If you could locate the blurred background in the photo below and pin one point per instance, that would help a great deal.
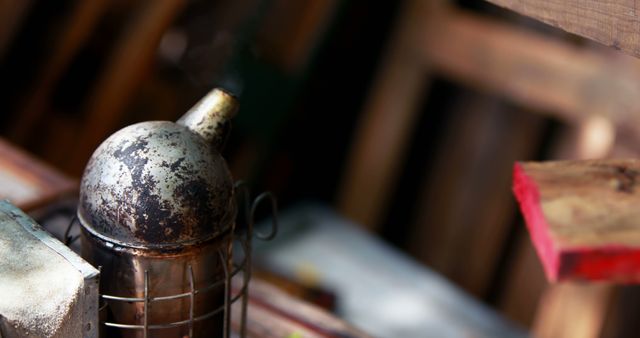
(402, 117)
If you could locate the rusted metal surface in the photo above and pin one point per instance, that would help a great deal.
(156, 183)
(161, 183)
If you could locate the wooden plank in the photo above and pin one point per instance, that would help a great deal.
(572, 310)
(535, 71)
(621, 319)
(582, 217)
(386, 123)
(525, 284)
(470, 175)
(613, 23)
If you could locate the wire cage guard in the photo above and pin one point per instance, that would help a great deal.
(225, 308)
(241, 238)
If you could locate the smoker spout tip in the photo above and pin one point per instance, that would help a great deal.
(209, 115)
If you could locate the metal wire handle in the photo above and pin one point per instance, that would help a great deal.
(249, 209)
(274, 215)
(68, 240)
(242, 189)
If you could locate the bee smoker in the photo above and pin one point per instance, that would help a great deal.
(157, 212)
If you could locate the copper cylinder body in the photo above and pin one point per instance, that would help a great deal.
(123, 275)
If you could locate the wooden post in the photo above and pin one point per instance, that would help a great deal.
(386, 124)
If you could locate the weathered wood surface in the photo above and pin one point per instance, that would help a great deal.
(583, 217)
(534, 70)
(614, 23)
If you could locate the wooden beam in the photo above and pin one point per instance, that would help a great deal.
(573, 310)
(583, 217)
(77, 30)
(385, 126)
(470, 175)
(536, 71)
(524, 285)
(127, 66)
(614, 23)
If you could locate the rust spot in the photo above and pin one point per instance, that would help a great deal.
(130, 156)
(196, 197)
(176, 165)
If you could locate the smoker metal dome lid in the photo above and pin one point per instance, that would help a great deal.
(159, 184)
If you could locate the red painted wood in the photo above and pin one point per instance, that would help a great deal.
(603, 262)
(528, 197)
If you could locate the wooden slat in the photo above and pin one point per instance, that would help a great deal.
(615, 23)
(126, 68)
(536, 71)
(524, 285)
(78, 29)
(386, 123)
(472, 174)
(572, 310)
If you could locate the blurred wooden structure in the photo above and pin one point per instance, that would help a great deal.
(119, 56)
(465, 211)
(96, 66)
